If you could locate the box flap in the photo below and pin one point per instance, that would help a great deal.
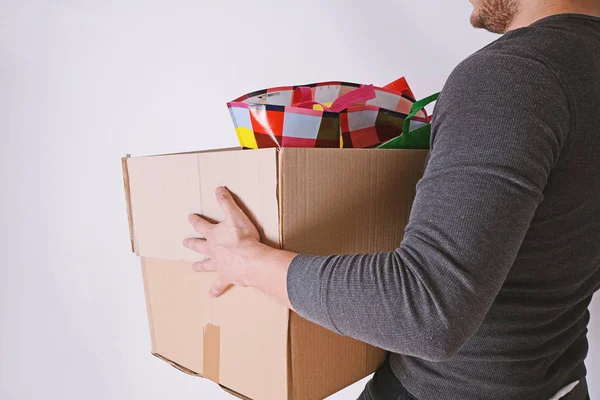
(197, 151)
(165, 189)
(238, 340)
(128, 199)
(335, 202)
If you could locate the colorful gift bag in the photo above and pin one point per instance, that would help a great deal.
(326, 114)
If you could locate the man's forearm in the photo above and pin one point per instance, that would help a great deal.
(267, 271)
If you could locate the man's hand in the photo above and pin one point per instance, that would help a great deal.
(234, 251)
(227, 245)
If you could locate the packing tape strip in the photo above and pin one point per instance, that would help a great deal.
(212, 352)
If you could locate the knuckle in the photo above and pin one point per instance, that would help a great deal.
(223, 196)
(198, 245)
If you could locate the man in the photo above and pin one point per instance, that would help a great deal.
(487, 296)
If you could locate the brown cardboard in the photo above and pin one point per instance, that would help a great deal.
(325, 195)
(317, 201)
(165, 189)
(347, 201)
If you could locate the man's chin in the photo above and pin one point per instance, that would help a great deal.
(479, 21)
(494, 16)
(476, 20)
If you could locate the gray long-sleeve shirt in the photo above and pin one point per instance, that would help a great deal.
(487, 295)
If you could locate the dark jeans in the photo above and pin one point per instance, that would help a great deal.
(385, 386)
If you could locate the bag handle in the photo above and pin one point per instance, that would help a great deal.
(302, 94)
(417, 107)
(362, 94)
(358, 95)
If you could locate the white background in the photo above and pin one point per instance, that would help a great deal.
(82, 83)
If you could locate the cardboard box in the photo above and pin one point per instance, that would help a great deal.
(316, 201)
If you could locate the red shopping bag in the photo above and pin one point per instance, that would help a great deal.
(326, 114)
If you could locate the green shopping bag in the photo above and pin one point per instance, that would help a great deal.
(418, 138)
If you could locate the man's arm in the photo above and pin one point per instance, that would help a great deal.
(498, 129)
(497, 132)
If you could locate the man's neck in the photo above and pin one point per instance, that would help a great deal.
(542, 9)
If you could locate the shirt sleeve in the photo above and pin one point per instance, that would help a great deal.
(498, 130)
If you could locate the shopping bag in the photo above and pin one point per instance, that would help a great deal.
(414, 136)
(326, 114)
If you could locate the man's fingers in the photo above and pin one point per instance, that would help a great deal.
(228, 204)
(198, 245)
(218, 288)
(204, 266)
(201, 225)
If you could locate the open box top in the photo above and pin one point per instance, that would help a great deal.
(311, 185)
